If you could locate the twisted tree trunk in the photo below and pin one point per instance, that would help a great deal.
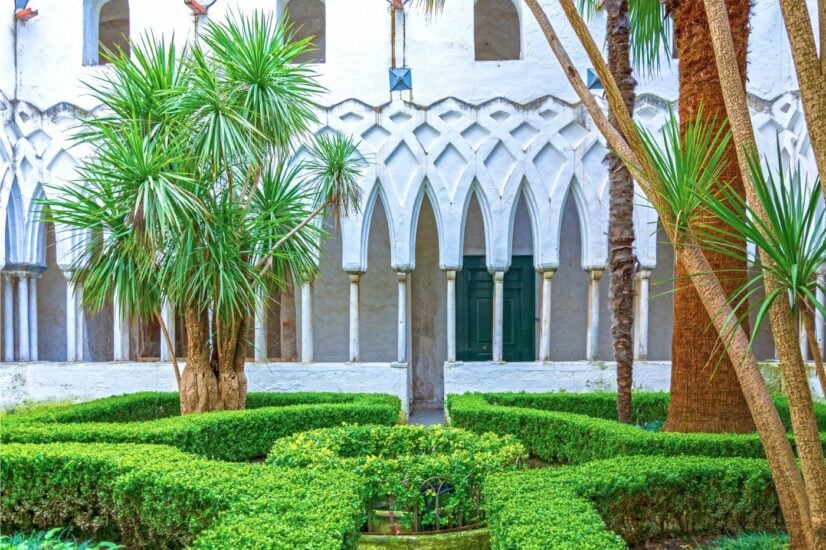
(214, 378)
(705, 393)
(621, 260)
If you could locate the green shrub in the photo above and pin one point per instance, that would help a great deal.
(603, 504)
(752, 541)
(577, 428)
(409, 468)
(152, 418)
(159, 497)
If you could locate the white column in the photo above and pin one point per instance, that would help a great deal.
(641, 315)
(801, 331)
(354, 316)
(401, 356)
(451, 316)
(306, 322)
(498, 311)
(80, 324)
(120, 326)
(593, 314)
(33, 317)
(23, 317)
(168, 318)
(8, 317)
(260, 328)
(71, 319)
(545, 316)
(820, 296)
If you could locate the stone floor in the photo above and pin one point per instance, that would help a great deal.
(427, 417)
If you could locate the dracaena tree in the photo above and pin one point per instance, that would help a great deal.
(194, 195)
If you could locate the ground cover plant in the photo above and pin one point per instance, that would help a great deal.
(577, 428)
(53, 539)
(155, 418)
(426, 478)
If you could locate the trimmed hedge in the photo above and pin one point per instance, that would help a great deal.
(227, 435)
(578, 428)
(151, 496)
(432, 477)
(603, 504)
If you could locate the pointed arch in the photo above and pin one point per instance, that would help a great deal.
(477, 191)
(15, 226)
(106, 26)
(574, 190)
(376, 195)
(309, 20)
(526, 192)
(426, 190)
(36, 235)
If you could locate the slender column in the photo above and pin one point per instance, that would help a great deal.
(23, 317)
(8, 317)
(71, 319)
(593, 314)
(402, 317)
(168, 317)
(260, 329)
(120, 325)
(33, 317)
(80, 323)
(451, 316)
(545, 316)
(820, 296)
(307, 322)
(498, 311)
(354, 316)
(801, 331)
(641, 316)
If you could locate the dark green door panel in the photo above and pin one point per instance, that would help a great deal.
(474, 311)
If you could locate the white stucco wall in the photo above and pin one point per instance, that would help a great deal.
(36, 382)
(84, 381)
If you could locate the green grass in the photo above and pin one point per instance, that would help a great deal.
(751, 541)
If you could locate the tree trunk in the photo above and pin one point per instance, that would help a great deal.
(621, 260)
(289, 349)
(783, 323)
(214, 378)
(705, 393)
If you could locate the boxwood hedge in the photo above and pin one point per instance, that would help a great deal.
(153, 496)
(228, 435)
(606, 504)
(577, 428)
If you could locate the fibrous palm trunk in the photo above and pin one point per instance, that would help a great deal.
(214, 378)
(621, 260)
(705, 393)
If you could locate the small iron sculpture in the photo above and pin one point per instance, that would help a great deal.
(22, 12)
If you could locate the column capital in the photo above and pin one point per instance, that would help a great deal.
(644, 273)
(595, 274)
(354, 276)
(547, 272)
(498, 276)
(451, 274)
(401, 276)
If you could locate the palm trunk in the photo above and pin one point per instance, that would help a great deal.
(705, 393)
(621, 261)
(788, 481)
(214, 378)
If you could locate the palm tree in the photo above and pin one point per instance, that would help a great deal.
(191, 196)
(639, 29)
(705, 393)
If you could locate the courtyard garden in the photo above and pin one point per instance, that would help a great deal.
(344, 471)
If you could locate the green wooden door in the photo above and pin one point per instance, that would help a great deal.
(474, 311)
